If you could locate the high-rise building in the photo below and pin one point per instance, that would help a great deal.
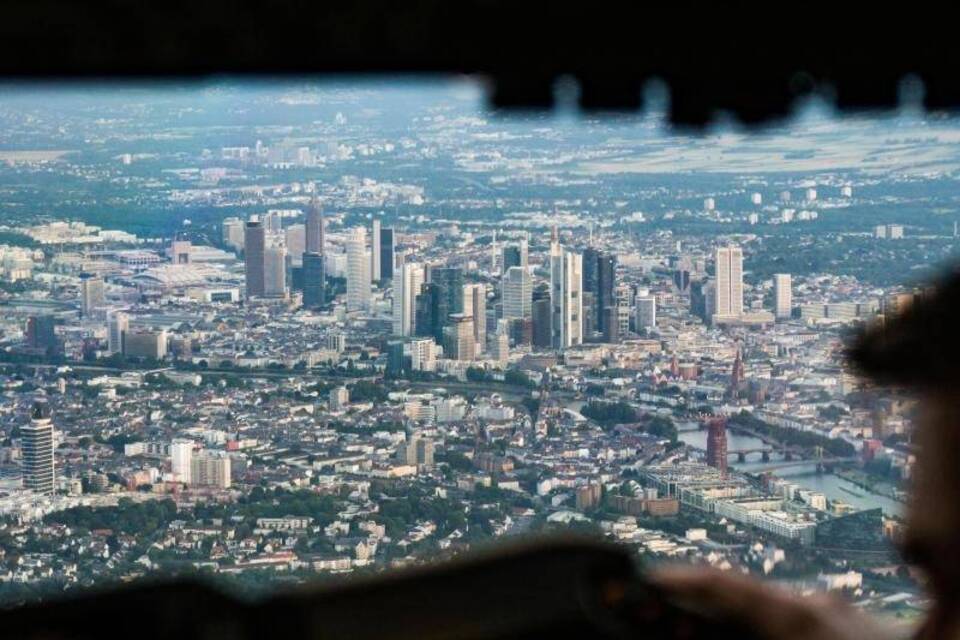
(314, 280)
(541, 332)
(475, 305)
(451, 280)
(145, 343)
(254, 245)
(717, 443)
(42, 336)
(92, 293)
(339, 398)
(458, 338)
(566, 304)
(36, 442)
(500, 342)
(407, 280)
(599, 274)
(646, 312)
(430, 313)
(728, 292)
(517, 293)
(295, 240)
(387, 259)
(417, 451)
(233, 232)
(375, 256)
(514, 255)
(314, 240)
(181, 457)
(423, 354)
(358, 271)
(118, 323)
(210, 469)
(275, 272)
(180, 251)
(782, 295)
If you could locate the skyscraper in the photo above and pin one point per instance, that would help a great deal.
(514, 255)
(475, 305)
(314, 241)
(295, 240)
(717, 443)
(42, 335)
(275, 272)
(358, 271)
(233, 231)
(117, 325)
(448, 297)
(646, 312)
(407, 280)
(314, 280)
(92, 295)
(254, 243)
(599, 272)
(782, 295)
(458, 338)
(430, 311)
(517, 293)
(375, 251)
(728, 292)
(386, 253)
(37, 449)
(541, 318)
(181, 457)
(566, 304)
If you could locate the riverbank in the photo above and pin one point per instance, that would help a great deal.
(871, 484)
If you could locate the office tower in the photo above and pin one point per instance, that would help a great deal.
(566, 304)
(210, 469)
(407, 281)
(41, 335)
(314, 240)
(295, 239)
(92, 294)
(728, 294)
(145, 343)
(475, 305)
(396, 363)
(358, 271)
(458, 338)
(430, 312)
(117, 325)
(599, 271)
(717, 443)
(540, 313)
(254, 243)
(386, 253)
(375, 251)
(339, 398)
(681, 279)
(517, 293)
(610, 325)
(272, 223)
(314, 281)
(417, 451)
(337, 342)
(451, 281)
(181, 456)
(423, 354)
(782, 295)
(36, 442)
(233, 232)
(514, 255)
(275, 272)
(646, 312)
(179, 252)
(500, 342)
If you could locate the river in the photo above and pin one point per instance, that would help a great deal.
(831, 485)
